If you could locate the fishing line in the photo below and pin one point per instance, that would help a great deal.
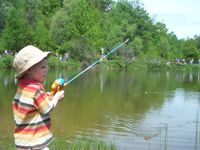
(97, 62)
(60, 83)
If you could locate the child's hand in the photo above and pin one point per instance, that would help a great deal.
(59, 95)
(50, 98)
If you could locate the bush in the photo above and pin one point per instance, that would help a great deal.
(54, 62)
(73, 65)
(6, 61)
(2, 65)
(112, 64)
(136, 64)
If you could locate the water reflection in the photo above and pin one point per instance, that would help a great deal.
(190, 77)
(5, 82)
(168, 74)
(101, 80)
(15, 79)
(197, 76)
(103, 76)
(197, 135)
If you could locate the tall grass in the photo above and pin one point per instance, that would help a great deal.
(166, 139)
(7, 143)
(81, 144)
(163, 141)
(63, 143)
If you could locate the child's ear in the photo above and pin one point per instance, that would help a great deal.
(28, 71)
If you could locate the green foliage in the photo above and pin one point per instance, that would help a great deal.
(18, 32)
(161, 65)
(7, 61)
(165, 48)
(2, 65)
(81, 27)
(112, 64)
(137, 45)
(5, 7)
(50, 6)
(191, 50)
(41, 37)
(54, 62)
(80, 50)
(62, 142)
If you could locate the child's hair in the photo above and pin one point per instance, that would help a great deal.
(28, 57)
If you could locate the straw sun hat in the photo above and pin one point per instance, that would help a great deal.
(26, 58)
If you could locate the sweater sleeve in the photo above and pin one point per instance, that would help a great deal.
(42, 103)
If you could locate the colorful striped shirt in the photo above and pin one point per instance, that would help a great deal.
(31, 108)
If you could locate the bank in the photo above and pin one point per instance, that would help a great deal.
(53, 62)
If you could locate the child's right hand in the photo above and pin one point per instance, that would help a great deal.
(59, 95)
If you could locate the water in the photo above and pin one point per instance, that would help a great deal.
(138, 109)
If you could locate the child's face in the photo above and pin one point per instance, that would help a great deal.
(39, 70)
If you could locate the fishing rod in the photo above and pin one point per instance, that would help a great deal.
(59, 83)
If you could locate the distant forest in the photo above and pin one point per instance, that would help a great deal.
(82, 27)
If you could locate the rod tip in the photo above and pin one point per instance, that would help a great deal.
(127, 40)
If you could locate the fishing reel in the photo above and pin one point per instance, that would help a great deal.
(57, 85)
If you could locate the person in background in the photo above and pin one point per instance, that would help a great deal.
(102, 51)
(9, 52)
(131, 61)
(31, 105)
(6, 52)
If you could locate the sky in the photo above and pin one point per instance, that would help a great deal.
(180, 16)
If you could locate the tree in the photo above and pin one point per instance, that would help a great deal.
(62, 29)
(165, 48)
(5, 8)
(41, 36)
(18, 32)
(191, 50)
(51, 6)
(101, 5)
(197, 38)
(136, 45)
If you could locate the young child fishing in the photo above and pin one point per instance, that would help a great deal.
(31, 105)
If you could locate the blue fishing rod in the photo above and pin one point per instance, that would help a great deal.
(60, 83)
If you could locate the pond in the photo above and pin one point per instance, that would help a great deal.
(138, 109)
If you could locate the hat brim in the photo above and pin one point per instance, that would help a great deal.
(32, 63)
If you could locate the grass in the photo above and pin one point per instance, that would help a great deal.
(163, 141)
(61, 142)
(7, 143)
(80, 144)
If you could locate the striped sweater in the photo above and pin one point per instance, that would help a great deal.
(31, 109)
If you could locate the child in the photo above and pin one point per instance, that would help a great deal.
(31, 106)
(6, 52)
(9, 52)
